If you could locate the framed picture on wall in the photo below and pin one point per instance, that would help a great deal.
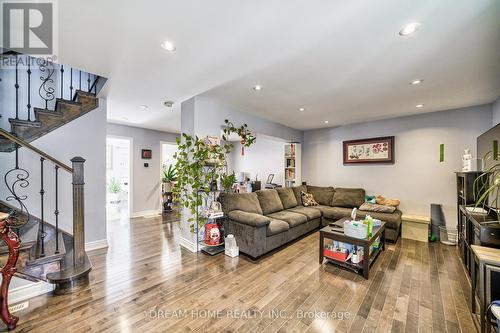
(146, 154)
(369, 151)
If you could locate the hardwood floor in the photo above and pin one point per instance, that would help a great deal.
(144, 282)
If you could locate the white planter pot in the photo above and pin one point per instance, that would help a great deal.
(114, 198)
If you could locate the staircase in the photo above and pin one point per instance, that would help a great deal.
(40, 97)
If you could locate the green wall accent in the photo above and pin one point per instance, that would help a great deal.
(495, 150)
(441, 152)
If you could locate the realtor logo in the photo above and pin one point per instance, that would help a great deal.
(28, 27)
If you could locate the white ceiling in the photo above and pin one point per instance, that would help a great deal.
(342, 60)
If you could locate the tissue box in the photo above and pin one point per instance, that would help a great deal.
(232, 252)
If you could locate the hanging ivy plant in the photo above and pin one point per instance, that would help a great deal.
(247, 138)
(199, 165)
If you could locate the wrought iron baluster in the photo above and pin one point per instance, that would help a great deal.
(46, 92)
(42, 193)
(16, 85)
(29, 88)
(88, 82)
(56, 212)
(16, 179)
(62, 81)
(95, 85)
(80, 80)
(71, 84)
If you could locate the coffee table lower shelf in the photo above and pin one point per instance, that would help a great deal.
(335, 232)
(357, 268)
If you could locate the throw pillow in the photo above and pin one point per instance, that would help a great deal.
(370, 199)
(369, 207)
(387, 202)
(308, 199)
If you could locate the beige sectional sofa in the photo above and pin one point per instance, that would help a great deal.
(267, 219)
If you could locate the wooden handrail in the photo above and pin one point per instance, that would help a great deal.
(26, 145)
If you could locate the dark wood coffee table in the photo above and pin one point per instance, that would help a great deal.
(336, 233)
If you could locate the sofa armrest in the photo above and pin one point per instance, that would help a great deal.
(251, 219)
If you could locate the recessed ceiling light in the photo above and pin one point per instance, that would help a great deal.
(302, 109)
(143, 106)
(257, 87)
(168, 104)
(409, 29)
(326, 121)
(416, 81)
(168, 45)
(419, 106)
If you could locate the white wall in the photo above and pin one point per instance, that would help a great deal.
(85, 137)
(210, 114)
(417, 177)
(261, 159)
(496, 112)
(146, 182)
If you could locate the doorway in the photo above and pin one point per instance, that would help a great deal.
(118, 178)
(168, 150)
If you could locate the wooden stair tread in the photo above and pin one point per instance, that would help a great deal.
(26, 123)
(49, 120)
(70, 273)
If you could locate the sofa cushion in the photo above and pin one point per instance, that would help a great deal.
(247, 202)
(333, 213)
(270, 201)
(276, 227)
(251, 219)
(293, 219)
(323, 195)
(348, 197)
(392, 220)
(287, 197)
(369, 207)
(309, 212)
(297, 190)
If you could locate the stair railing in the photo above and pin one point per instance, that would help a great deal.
(17, 178)
(39, 82)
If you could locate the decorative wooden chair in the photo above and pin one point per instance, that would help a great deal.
(12, 241)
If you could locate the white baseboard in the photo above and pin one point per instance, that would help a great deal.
(95, 245)
(146, 213)
(28, 291)
(187, 244)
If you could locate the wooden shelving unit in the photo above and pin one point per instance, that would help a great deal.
(292, 155)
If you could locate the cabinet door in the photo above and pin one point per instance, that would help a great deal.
(492, 283)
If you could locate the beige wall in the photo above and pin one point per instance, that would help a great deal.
(146, 182)
(417, 177)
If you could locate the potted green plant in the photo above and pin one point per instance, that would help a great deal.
(487, 186)
(227, 182)
(169, 176)
(114, 188)
(200, 163)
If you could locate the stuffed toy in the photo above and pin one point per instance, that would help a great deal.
(387, 202)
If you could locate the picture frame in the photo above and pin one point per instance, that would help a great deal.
(146, 154)
(369, 151)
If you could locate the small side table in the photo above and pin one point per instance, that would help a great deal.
(415, 227)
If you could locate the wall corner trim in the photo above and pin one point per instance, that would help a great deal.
(187, 244)
(95, 245)
(146, 213)
(28, 291)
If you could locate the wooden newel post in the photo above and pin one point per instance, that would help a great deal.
(78, 211)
